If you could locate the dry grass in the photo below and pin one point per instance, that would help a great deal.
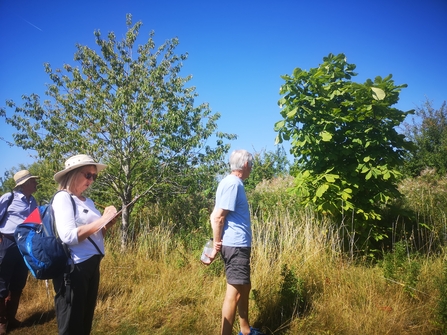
(302, 284)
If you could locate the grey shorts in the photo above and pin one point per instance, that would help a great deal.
(237, 264)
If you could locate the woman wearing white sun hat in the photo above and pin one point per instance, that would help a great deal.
(82, 232)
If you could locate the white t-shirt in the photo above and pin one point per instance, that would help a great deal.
(67, 223)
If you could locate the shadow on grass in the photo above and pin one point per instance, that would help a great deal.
(276, 313)
(39, 318)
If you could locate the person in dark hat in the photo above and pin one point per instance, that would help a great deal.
(14, 208)
(83, 231)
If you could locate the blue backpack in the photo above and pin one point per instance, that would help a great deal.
(45, 255)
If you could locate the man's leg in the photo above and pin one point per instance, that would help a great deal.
(17, 284)
(236, 297)
(229, 309)
(6, 270)
(242, 307)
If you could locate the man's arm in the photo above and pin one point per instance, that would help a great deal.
(217, 223)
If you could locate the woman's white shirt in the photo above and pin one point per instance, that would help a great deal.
(67, 223)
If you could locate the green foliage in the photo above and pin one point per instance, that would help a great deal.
(428, 131)
(267, 165)
(343, 137)
(7, 181)
(291, 292)
(425, 202)
(289, 302)
(127, 107)
(400, 268)
(185, 213)
(271, 197)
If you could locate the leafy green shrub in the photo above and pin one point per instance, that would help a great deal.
(287, 303)
(291, 292)
(271, 197)
(400, 268)
(426, 199)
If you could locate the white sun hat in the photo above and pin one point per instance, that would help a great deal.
(22, 177)
(76, 162)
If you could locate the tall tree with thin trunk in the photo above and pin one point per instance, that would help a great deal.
(128, 107)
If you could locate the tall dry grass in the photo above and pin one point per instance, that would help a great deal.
(301, 284)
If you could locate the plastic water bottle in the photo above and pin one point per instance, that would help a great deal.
(209, 246)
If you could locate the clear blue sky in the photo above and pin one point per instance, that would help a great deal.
(237, 50)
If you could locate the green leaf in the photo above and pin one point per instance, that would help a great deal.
(378, 93)
(279, 125)
(346, 194)
(321, 190)
(330, 178)
(278, 139)
(325, 136)
(292, 113)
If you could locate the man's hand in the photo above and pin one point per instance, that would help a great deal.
(216, 250)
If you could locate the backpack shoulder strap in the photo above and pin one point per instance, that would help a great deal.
(70, 265)
(11, 198)
(53, 221)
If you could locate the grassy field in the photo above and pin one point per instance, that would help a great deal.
(302, 284)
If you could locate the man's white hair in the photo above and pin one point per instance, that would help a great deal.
(238, 159)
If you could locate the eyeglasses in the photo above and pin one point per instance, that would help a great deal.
(89, 176)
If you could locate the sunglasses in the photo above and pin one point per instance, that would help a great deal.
(89, 176)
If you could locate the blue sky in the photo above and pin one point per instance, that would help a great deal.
(237, 50)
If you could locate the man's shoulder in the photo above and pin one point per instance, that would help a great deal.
(7, 196)
(231, 179)
(6, 199)
(228, 182)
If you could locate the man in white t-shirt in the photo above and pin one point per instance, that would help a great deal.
(232, 237)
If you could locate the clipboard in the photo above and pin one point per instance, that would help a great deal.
(121, 210)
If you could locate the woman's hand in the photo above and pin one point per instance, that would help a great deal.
(109, 213)
(85, 231)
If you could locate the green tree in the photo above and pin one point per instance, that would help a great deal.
(129, 108)
(343, 136)
(428, 131)
(267, 165)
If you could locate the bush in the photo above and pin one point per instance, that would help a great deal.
(425, 200)
(271, 198)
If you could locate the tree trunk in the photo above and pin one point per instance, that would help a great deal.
(124, 226)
